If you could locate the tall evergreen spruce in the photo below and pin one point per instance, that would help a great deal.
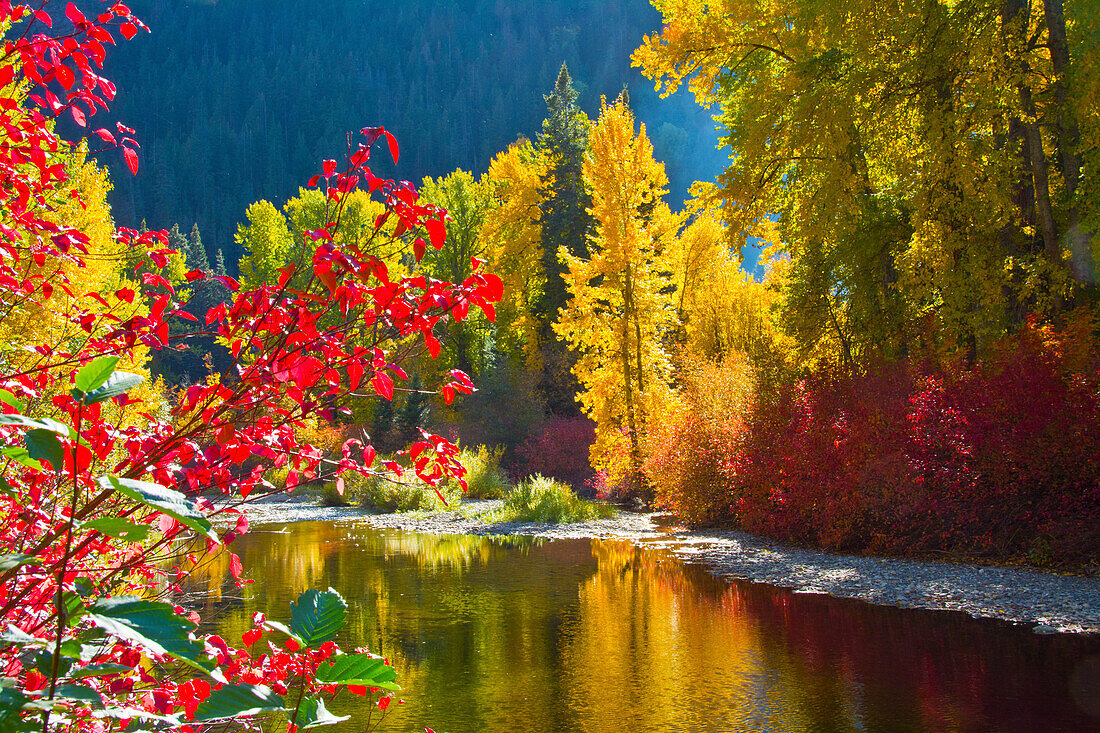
(566, 225)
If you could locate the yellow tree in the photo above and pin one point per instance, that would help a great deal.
(621, 302)
(513, 238)
(928, 160)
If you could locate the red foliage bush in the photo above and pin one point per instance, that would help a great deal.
(559, 451)
(999, 460)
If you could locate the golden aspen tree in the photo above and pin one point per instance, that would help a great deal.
(621, 300)
(513, 238)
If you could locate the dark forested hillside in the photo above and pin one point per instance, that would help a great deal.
(238, 100)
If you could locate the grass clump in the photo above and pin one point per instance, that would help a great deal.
(484, 477)
(544, 500)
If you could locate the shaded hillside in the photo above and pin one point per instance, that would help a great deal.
(236, 100)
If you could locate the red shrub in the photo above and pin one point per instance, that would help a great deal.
(1000, 460)
(559, 451)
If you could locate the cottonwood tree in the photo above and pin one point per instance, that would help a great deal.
(621, 303)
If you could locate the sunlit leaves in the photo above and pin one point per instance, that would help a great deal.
(317, 616)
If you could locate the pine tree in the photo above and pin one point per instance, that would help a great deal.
(564, 219)
(565, 225)
(195, 252)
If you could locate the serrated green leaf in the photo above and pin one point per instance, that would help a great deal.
(152, 625)
(118, 383)
(20, 455)
(233, 700)
(318, 616)
(7, 562)
(95, 375)
(277, 626)
(165, 500)
(312, 714)
(99, 670)
(43, 445)
(119, 527)
(44, 423)
(9, 399)
(357, 669)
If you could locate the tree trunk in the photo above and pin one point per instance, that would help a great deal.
(1067, 136)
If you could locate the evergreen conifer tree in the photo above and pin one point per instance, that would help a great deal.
(566, 225)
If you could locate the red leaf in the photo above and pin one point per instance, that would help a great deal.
(64, 76)
(437, 231)
(43, 17)
(131, 159)
(419, 248)
(125, 294)
(106, 136)
(74, 15)
(313, 181)
(448, 393)
(235, 566)
(224, 434)
(128, 30)
(80, 118)
(329, 167)
(432, 343)
(360, 690)
(392, 141)
(383, 385)
(355, 375)
(494, 288)
(194, 275)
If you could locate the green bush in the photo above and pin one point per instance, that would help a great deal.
(484, 477)
(540, 499)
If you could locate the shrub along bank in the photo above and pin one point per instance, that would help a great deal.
(998, 460)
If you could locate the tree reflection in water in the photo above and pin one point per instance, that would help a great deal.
(509, 634)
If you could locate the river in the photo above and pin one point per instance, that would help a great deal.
(521, 634)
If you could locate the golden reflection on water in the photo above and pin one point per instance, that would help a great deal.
(514, 634)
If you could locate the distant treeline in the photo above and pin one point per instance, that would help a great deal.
(236, 101)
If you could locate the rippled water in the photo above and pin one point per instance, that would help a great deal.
(513, 634)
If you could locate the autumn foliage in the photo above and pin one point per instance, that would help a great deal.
(999, 460)
(112, 492)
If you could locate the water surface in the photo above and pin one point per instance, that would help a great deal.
(516, 634)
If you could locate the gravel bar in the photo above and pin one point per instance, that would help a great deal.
(1051, 603)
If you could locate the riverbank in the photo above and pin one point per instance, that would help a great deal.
(1051, 603)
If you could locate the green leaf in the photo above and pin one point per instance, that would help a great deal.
(11, 706)
(313, 714)
(83, 694)
(99, 670)
(9, 399)
(136, 714)
(15, 635)
(357, 669)
(317, 616)
(165, 500)
(152, 625)
(29, 422)
(94, 375)
(6, 489)
(119, 527)
(44, 445)
(233, 700)
(20, 455)
(119, 383)
(277, 626)
(7, 562)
